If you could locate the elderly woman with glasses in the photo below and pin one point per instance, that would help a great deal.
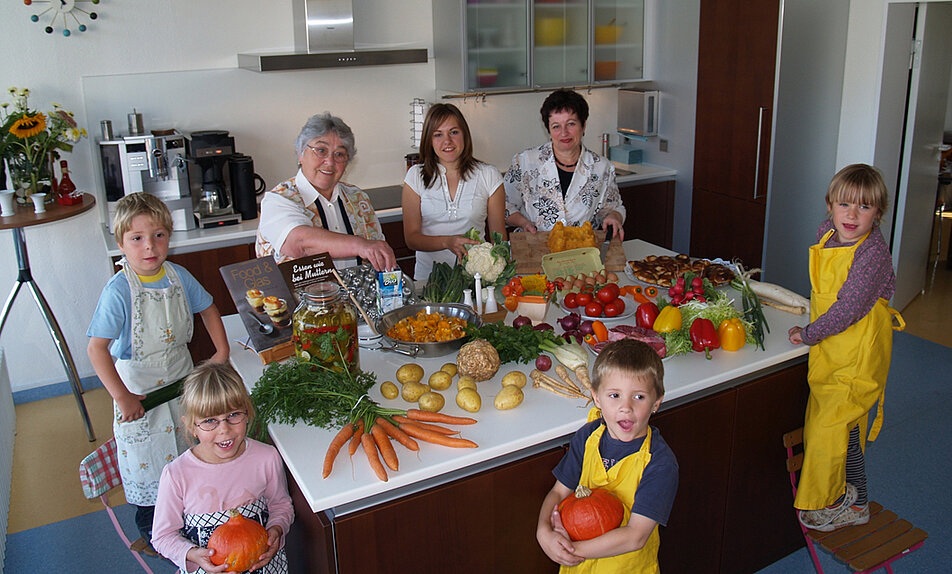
(314, 212)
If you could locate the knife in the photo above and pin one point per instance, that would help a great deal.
(603, 249)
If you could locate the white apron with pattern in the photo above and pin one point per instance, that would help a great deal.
(199, 527)
(161, 328)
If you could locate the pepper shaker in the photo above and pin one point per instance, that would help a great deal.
(491, 299)
(468, 297)
(479, 294)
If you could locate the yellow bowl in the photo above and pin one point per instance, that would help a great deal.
(549, 31)
(607, 34)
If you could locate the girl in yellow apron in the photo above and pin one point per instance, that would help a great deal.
(617, 451)
(850, 333)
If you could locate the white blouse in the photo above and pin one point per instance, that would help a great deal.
(441, 215)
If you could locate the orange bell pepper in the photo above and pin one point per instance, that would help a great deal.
(732, 334)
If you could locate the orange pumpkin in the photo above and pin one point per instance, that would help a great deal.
(589, 513)
(238, 543)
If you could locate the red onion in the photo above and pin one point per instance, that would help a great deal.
(543, 363)
(520, 321)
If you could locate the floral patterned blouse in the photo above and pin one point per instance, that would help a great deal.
(532, 188)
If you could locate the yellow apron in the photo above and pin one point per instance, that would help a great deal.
(622, 480)
(847, 376)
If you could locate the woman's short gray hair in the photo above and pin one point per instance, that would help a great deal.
(319, 125)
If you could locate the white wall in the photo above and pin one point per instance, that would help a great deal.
(176, 63)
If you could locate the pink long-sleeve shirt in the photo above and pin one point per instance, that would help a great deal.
(189, 485)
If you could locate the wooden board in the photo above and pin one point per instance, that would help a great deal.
(528, 249)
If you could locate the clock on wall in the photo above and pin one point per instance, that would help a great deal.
(65, 11)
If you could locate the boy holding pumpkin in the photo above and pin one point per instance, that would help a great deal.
(615, 451)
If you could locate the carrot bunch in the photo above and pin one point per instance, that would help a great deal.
(393, 424)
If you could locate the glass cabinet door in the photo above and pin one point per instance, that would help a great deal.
(618, 46)
(560, 42)
(497, 50)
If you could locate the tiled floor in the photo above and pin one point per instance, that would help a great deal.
(50, 441)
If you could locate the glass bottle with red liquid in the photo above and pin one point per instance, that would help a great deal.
(66, 187)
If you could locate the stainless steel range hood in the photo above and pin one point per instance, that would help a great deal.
(324, 38)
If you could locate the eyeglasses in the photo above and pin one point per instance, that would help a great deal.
(235, 418)
(321, 152)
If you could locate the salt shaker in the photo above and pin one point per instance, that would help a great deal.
(491, 300)
(468, 297)
(479, 294)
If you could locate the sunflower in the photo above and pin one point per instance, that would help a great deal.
(28, 126)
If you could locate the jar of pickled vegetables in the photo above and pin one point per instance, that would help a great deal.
(325, 328)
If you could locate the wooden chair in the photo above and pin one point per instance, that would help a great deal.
(866, 547)
(99, 473)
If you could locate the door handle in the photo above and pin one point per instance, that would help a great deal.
(760, 132)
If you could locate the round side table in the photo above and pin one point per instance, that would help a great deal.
(24, 216)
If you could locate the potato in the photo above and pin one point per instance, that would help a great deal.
(509, 397)
(516, 378)
(450, 368)
(409, 373)
(412, 391)
(389, 390)
(469, 400)
(466, 382)
(440, 381)
(431, 401)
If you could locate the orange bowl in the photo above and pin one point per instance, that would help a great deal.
(607, 70)
(549, 31)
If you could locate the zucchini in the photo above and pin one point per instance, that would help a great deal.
(162, 395)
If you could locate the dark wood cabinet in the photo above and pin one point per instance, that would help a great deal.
(727, 227)
(649, 211)
(204, 266)
(734, 508)
(737, 48)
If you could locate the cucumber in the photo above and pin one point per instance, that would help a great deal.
(162, 395)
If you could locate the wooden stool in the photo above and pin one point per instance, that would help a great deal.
(866, 547)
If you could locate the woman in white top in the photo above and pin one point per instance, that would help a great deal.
(449, 193)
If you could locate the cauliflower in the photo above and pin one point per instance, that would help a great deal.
(481, 259)
(492, 260)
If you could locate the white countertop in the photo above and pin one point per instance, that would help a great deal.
(642, 173)
(540, 420)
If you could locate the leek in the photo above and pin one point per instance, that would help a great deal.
(572, 355)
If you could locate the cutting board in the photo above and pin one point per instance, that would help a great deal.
(528, 249)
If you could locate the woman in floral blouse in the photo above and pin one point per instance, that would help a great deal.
(562, 180)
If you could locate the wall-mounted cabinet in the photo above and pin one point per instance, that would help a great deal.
(491, 45)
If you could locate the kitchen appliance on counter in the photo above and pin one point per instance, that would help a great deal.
(154, 163)
(209, 153)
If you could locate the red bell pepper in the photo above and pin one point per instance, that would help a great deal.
(646, 314)
(704, 336)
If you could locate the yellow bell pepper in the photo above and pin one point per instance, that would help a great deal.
(732, 334)
(669, 319)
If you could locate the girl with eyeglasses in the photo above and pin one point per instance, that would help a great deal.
(223, 470)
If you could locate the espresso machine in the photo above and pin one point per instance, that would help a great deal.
(154, 163)
(209, 155)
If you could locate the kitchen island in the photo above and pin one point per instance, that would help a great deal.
(475, 509)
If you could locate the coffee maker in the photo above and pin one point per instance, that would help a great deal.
(153, 163)
(209, 152)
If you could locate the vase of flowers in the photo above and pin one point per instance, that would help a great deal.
(30, 141)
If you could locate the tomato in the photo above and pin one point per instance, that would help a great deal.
(583, 299)
(570, 301)
(511, 303)
(593, 309)
(506, 290)
(615, 308)
(608, 293)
